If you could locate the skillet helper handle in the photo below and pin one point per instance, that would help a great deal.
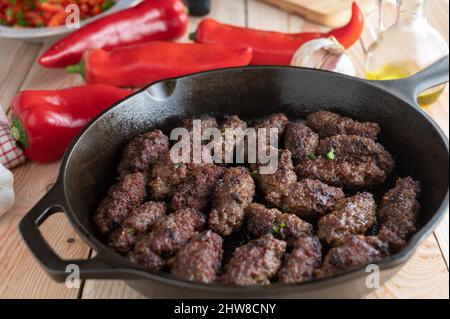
(410, 88)
(56, 267)
(434, 75)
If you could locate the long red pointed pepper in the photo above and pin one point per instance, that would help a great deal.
(45, 122)
(274, 48)
(140, 65)
(148, 21)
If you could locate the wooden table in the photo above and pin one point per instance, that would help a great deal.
(424, 276)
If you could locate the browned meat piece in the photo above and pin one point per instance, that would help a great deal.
(232, 195)
(300, 140)
(166, 177)
(143, 218)
(289, 227)
(399, 213)
(143, 256)
(357, 149)
(262, 220)
(328, 124)
(351, 216)
(356, 251)
(276, 121)
(198, 156)
(206, 122)
(275, 185)
(173, 231)
(138, 223)
(200, 259)
(300, 264)
(122, 198)
(310, 199)
(255, 263)
(229, 142)
(342, 173)
(123, 239)
(233, 122)
(197, 189)
(142, 152)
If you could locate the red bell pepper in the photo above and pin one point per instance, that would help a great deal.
(274, 48)
(139, 65)
(148, 21)
(45, 122)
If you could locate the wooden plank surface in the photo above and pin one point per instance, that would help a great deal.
(20, 275)
(425, 275)
(329, 13)
(438, 16)
(16, 60)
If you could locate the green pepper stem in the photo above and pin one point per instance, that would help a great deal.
(76, 69)
(193, 36)
(18, 132)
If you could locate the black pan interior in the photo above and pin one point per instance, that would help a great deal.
(252, 93)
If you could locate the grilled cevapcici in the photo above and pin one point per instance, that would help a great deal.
(315, 215)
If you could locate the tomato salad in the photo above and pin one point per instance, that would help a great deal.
(47, 13)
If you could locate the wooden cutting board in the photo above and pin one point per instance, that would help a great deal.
(331, 13)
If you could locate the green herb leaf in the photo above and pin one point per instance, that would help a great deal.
(10, 12)
(107, 4)
(278, 229)
(13, 2)
(176, 166)
(312, 156)
(21, 19)
(331, 155)
(254, 173)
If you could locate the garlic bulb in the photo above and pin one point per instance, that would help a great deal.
(6, 189)
(325, 54)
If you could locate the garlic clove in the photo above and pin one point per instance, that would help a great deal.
(325, 54)
(7, 197)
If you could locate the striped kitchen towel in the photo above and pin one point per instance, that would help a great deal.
(10, 154)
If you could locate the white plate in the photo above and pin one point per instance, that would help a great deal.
(39, 35)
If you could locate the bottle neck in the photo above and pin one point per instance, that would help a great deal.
(412, 11)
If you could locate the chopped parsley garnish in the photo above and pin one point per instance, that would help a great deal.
(312, 156)
(331, 155)
(254, 173)
(278, 229)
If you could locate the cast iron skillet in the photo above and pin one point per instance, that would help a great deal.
(252, 92)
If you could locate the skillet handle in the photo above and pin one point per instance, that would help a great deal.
(410, 88)
(56, 267)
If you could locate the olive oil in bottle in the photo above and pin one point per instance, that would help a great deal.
(398, 70)
(407, 47)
